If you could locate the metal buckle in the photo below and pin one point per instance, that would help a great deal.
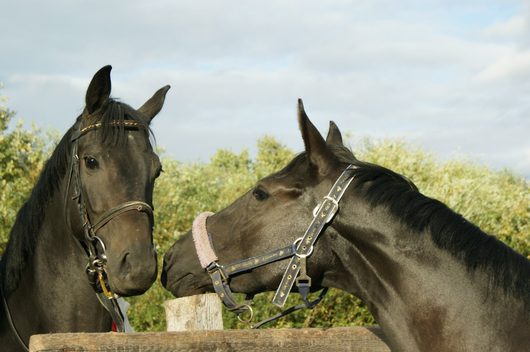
(214, 266)
(298, 240)
(333, 210)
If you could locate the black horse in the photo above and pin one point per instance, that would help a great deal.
(87, 225)
(433, 281)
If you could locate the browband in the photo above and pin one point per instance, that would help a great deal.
(124, 123)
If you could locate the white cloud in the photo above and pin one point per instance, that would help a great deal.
(52, 101)
(513, 27)
(415, 69)
(515, 64)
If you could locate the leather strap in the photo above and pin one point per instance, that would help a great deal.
(120, 209)
(220, 274)
(124, 123)
(259, 260)
(306, 304)
(111, 305)
(221, 287)
(322, 215)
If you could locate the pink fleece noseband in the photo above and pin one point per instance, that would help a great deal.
(202, 241)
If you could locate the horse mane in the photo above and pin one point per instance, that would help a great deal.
(449, 230)
(24, 234)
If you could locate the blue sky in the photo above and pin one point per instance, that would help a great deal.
(448, 76)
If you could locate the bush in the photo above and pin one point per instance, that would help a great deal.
(22, 155)
(497, 201)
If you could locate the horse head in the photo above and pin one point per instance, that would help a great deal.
(112, 174)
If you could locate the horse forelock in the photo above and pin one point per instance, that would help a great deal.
(111, 133)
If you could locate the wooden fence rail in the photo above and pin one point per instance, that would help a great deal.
(354, 339)
(195, 324)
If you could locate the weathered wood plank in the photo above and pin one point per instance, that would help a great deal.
(353, 339)
(200, 312)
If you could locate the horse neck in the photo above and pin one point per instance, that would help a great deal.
(54, 288)
(419, 294)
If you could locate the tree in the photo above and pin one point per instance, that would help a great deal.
(495, 201)
(22, 154)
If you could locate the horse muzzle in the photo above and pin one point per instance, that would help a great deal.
(133, 272)
(182, 273)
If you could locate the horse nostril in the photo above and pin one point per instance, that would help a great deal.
(125, 255)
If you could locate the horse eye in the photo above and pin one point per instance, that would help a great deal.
(260, 194)
(91, 162)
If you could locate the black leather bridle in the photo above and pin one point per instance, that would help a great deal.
(93, 245)
(296, 271)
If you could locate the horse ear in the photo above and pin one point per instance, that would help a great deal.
(154, 104)
(98, 91)
(334, 135)
(315, 146)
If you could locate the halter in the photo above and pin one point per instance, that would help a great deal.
(296, 270)
(93, 245)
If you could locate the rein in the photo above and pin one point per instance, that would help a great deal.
(296, 271)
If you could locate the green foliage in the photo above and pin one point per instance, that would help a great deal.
(22, 154)
(185, 190)
(495, 201)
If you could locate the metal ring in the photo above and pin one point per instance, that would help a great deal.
(248, 308)
(101, 242)
(298, 240)
(98, 263)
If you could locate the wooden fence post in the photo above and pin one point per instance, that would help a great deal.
(200, 312)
